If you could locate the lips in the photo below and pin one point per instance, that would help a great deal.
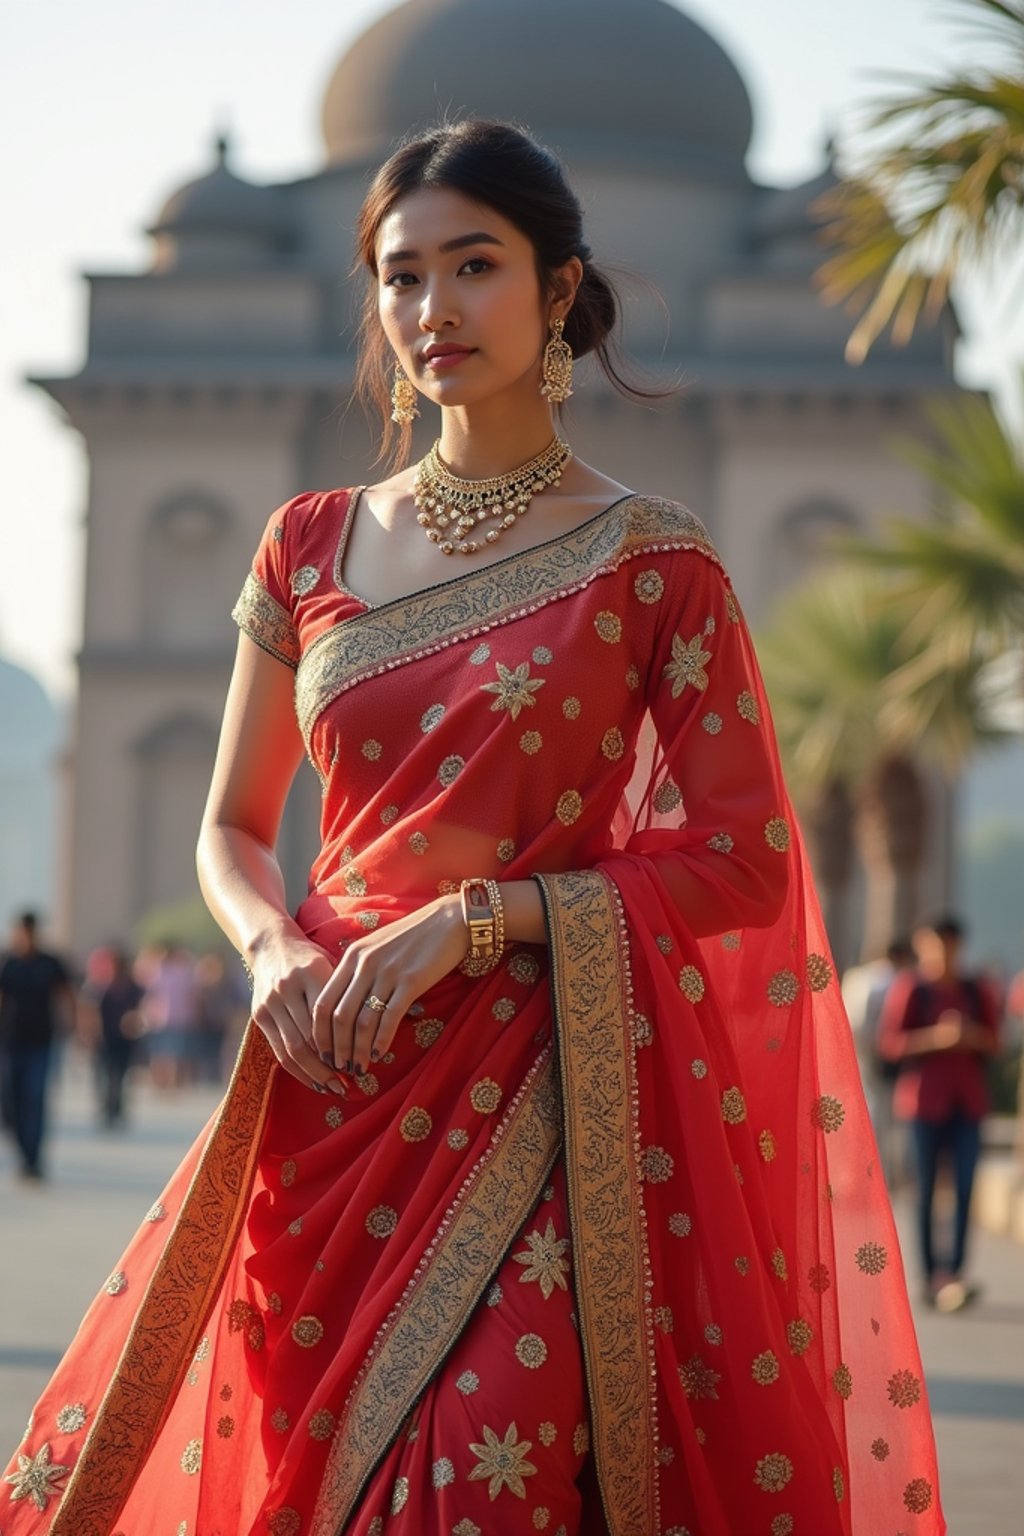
(445, 349)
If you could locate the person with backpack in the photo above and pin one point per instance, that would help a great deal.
(939, 1024)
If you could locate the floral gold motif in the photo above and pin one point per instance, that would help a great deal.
(649, 585)
(608, 626)
(680, 1224)
(819, 973)
(827, 1113)
(666, 798)
(485, 1096)
(747, 706)
(502, 1463)
(871, 1258)
(569, 806)
(776, 834)
(687, 664)
(656, 1165)
(765, 1368)
(307, 1331)
(416, 1125)
(734, 1107)
(783, 989)
(531, 1350)
(917, 1495)
(904, 1389)
(842, 1380)
(545, 1260)
(698, 1379)
(382, 1221)
(515, 688)
(613, 744)
(712, 723)
(37, 1477)
(773, 1472)
(691, 983)
(571, 707)
(304, 580)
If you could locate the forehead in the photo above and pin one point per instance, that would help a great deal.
(425, 218)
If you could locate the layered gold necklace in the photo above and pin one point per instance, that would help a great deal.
(451, 508)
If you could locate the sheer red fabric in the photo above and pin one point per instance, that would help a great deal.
(602, 1244)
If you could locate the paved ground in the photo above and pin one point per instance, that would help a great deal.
(61, 1240)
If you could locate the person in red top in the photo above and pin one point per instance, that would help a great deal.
(940, 1024)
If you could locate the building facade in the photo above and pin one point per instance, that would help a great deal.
(216, 383)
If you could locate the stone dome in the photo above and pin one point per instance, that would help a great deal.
(29, 716)
(220, 203)
(785, 213)
(625, 77)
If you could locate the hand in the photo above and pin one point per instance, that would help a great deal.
(397, 964)
(947, 1033)
(288, 974)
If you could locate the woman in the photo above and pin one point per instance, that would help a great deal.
(568, 1221)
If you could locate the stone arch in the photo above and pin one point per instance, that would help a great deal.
(189, 571)
(174, 760)
(803, 535)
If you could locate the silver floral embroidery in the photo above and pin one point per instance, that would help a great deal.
(304, 580)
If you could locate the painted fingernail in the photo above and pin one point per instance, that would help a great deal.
(326, 1057)
(375, 1055)
(348, 1065)
(336, 1087)
(320, 1088)
(358, 1070)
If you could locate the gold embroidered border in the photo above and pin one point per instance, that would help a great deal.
(439, 1302)
(605, 1197)
(171, 1316)
(266, 622)
(380, 638)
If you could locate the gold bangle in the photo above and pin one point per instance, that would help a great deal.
(478, 912)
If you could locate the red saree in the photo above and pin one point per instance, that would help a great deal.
(602, 1244)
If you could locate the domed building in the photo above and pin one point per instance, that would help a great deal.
(28, 796)
(215, 382)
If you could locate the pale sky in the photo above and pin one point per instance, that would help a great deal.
(107, 108)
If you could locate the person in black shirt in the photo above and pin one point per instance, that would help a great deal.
(32, 983)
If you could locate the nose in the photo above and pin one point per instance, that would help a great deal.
(437, 309)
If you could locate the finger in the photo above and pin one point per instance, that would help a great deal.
(295, 1054)
(325, 1003)
(387, 1022)
(346, 1012)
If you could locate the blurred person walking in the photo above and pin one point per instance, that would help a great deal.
(171, 1015)
(114, 997)
(33, 986)
(222, 1007)
(865, 988)
(939, 1024)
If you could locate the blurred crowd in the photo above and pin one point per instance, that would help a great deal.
(163, 1012)
(939, 1046)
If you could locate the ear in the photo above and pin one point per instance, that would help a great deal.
(565, 281)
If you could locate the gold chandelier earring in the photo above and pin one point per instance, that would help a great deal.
(403, 397)
(557, 368)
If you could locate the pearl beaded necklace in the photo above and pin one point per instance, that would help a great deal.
(450, 507)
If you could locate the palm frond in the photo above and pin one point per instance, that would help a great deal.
(942, 199)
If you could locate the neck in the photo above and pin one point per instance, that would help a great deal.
(494, 436)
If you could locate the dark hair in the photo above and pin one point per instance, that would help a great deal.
(946, 926)
(29, 921)
(500, 165)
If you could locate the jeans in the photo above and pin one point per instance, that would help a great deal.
(25, 1069)
(963, 1137)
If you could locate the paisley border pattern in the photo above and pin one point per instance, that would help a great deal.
(440, 1298)
(265, 621)
(171, 1316)
(589, 987)
(377, 639)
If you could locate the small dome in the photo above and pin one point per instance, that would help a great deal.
(784, 213)
(622, 75)
(220, 203)
(30, 717)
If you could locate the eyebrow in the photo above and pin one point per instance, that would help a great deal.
(480, 237)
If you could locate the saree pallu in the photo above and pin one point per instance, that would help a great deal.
(602, 1244)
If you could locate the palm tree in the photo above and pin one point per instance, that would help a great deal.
(961, 576)
(847, 737)
(945, 195)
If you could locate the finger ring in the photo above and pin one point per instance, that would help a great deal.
(374, 1002)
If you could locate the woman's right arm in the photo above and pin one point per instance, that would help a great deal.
(259, 751)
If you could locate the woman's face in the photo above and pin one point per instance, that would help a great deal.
(455, 274)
